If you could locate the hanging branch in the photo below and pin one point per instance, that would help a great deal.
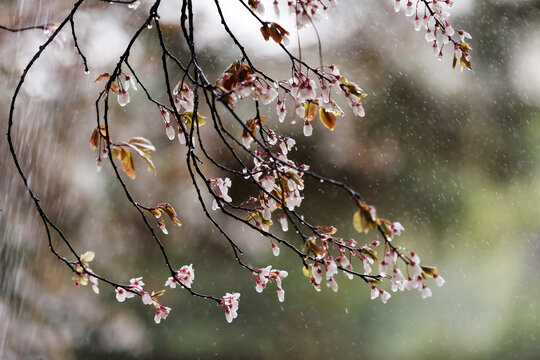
(277, 179)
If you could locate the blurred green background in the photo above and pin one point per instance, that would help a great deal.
(453, 156)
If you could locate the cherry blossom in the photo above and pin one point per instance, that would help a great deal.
(161, 312)
(439, 281)
(396, 228)
(83, 273)
(275, 249)
(398, 280)
(221, 188)
(169, 130)
(426, 292)
(122, 294)
(183, 99)
(230, 302)
(283, 222)
(433, 16)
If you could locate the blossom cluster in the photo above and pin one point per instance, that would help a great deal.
(305, 11)
(120, 88)
(184, 276)
(220, 187)
(303, 90)
(239, 81)
(230, 302)
(433, 16)
(136, 288)
(325, 266)
(184, 103)
(267, 274)
(83, 273)
(280, 179)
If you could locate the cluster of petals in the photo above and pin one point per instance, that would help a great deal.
(302, 88)
(375, 292)
(122, 93)
(309, 11)
(184, 276)
(267, 274)
(136, 287)
(279, 178)
(220, 187)
(317, 274)
(50, 29)
(161, 312)
(169, 129)
(183, 98)
(183, 102)
(230, 302)
(414, 280)
(84, 274)
(435, 21)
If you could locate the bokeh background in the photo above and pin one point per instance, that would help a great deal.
(453, 156)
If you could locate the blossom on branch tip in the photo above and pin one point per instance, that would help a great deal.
(426, 292)
(374, 292)
(161, 312)
(123, 97)
(439, 281)
(83, 273)
(230, 303)
(385, 296)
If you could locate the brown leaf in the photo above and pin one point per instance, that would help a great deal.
(143, 144)
(127, 162)
(169, 210)
(327, 118)
(265, 31)
(102, 76)
(311, 110)
(142, 154)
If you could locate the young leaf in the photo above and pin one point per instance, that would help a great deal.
(169, 210)
(188, 115)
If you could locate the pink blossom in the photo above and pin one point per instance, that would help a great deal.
(275, 249)
(122, 294)
(374, 292)
(332, 284)
(221, 188)
(317, 273)
(283, 222)
(398, 280)
(230, 303)
(137, 283)
(146, 298)
(331, 268)
(385, 296)
(161, 312)
(396, 228)
(281, 110)
(308, 129)
(439, 281)
(123, 97)
(426, 292)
